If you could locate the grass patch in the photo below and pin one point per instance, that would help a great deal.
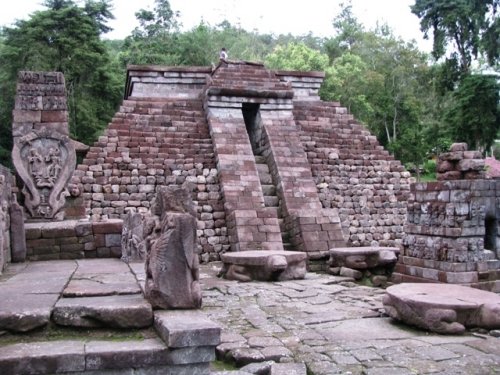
(54, 332)
(222, 366)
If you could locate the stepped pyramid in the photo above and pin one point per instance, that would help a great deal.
(272, 166)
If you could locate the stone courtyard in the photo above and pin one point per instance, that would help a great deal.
(327, 324)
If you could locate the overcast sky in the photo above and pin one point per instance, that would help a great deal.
(266, 16)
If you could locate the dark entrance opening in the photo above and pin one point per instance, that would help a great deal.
(490, 235)
(253, 126)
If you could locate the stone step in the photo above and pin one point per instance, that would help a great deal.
(271, 201)
(110, 311)
(268, 189)
(259, 159)
(493, 264)
(265, 178)
(149, 356)
(262, 168)
(489, 254)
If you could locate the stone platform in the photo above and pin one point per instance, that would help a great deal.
(102, 324)
(443, 308)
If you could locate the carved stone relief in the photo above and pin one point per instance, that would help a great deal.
(45, 161)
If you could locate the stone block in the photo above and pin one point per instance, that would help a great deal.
(43, 358)
(107, 227)
(103, 355)
(109, 311)
(186, 328)
(288, 369)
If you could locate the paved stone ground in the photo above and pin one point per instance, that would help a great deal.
(327, 323)
(334, 326)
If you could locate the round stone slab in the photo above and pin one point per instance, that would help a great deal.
(443, 308)
(264, 265)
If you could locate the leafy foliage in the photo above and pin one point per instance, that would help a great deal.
(474, 115)
(387, 83)
(469, 27)
(63, 38)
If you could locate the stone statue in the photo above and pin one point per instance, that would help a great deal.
(133, 234)
(172, 274)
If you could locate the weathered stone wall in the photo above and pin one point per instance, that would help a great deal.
(452, 231)
(354, 174)
(305, 85)
(460, 164)
(6, 182)
(152, 81)
(150, 142)
(73, 239)
(447, 225)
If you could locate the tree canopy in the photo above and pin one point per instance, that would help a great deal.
(416, 107)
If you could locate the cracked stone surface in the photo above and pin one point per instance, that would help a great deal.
(333, 326)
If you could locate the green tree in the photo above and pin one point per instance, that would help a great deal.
(154, 41)
(346, 81)
(64, 38)
(474, 115)
(467, 27)
(297, 56)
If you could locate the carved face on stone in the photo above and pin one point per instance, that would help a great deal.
(74, 190)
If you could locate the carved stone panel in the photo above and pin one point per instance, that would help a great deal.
(45, 161)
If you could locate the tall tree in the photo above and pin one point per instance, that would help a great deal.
(154, 41)
(65, 38)
(474, 116)
(467, 27)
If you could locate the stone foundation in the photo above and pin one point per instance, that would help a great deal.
(73, 239)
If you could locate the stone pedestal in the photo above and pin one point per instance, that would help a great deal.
(443, 308)
(264, 265)
(374, 263)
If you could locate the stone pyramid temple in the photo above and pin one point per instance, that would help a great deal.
(270, 165)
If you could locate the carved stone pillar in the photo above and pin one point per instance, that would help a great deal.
(43, 153)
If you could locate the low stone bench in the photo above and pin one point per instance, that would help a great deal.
(264, 265)
(373, 262)
(443, 308)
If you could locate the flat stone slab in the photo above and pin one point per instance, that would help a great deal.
(89, 285)
(43, 357)
(443, 308)
(360, 258)
(25, 312)
(265, 265)
(110, 311)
